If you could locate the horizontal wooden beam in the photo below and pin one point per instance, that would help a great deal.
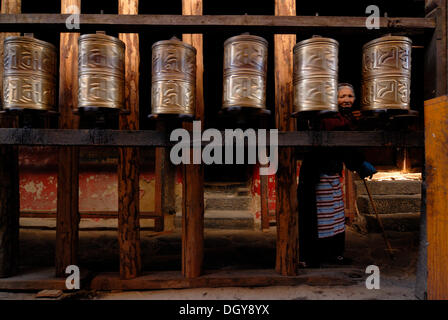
(150, 138)
(232, 278)
(210, 23)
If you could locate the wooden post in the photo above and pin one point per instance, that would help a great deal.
(165, 176)
(67, 217)
(9, 176)
(436, 78)
(129, 161)
(286, 185)
(436, 158)
(193, 174)
(350, 195)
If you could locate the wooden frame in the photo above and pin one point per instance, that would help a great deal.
(434, 25)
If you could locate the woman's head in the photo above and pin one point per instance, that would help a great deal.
(346, 95)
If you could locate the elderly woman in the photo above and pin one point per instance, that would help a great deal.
(320, 197)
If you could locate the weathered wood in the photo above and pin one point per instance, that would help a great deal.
(66, 252)
(436, 170)
(349, 195)
(233, 278)
(193, 174)
(215, 23)
(264, 199)
(9, 176)
(436, 56)
(287, 257)
(149, 138)
(165, 176)
(129, 159)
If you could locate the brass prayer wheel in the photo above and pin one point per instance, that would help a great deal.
(29, 77)
(386, 73)
(173, 78)
(315, 76)
(101, 71)
(245, 71)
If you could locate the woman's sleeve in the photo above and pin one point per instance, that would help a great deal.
(353, 158)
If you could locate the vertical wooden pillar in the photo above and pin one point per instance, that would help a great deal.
(129, 160)
(67, 218)
(165, 176)
(350, 195)
(193, 174)
(9, 176)
(436, 158)
(286, 184)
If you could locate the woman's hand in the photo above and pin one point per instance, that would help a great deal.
(356, 114)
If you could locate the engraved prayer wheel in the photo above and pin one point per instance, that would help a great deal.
(315, 76)
(386, 74)
(245, 72)
(173, 78)
(101, 72)
(29, 77)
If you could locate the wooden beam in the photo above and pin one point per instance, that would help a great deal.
(216, 23)
(129, 160)
(436, 169)
(150, 138)
(67, 222)
(193, 174)
(232, 278)
(9, 177)
(286, 185)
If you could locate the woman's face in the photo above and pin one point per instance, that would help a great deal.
(346, 97)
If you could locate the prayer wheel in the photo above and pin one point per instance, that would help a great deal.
(386, 74)
(315, 75)
(245, 71)
(101, 72)
(173, 78)
(29, 77)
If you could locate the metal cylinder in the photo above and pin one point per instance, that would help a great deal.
(315, 75)
(245, 70)
(386, 73)
(29, 77)
(173, 77)
(101, 71)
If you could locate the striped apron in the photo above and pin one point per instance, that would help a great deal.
(330, 206)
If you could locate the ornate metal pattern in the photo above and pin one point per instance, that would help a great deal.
(173, 77)
(29, 78)
(315, 75)
(245, 69)
(101, 71)
(386, 73)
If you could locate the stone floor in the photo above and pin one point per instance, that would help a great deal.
(230, 249)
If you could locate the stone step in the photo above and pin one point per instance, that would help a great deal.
(402, 222)
(222, 219)
(224, 187)
(389, 187)
(226, 202)
(386, 204)
(85, 223)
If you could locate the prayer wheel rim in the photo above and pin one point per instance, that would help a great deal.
(386, 39)
(246, 37)
(313, 40)
(103, 37)
(174, 41)
(29, 40)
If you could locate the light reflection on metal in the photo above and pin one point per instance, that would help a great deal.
(315, 75)
(29, 77)
(101, 71)
(244, 72)
(173, 77)
(386, 73)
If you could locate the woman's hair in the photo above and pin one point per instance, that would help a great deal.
(344, 84)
